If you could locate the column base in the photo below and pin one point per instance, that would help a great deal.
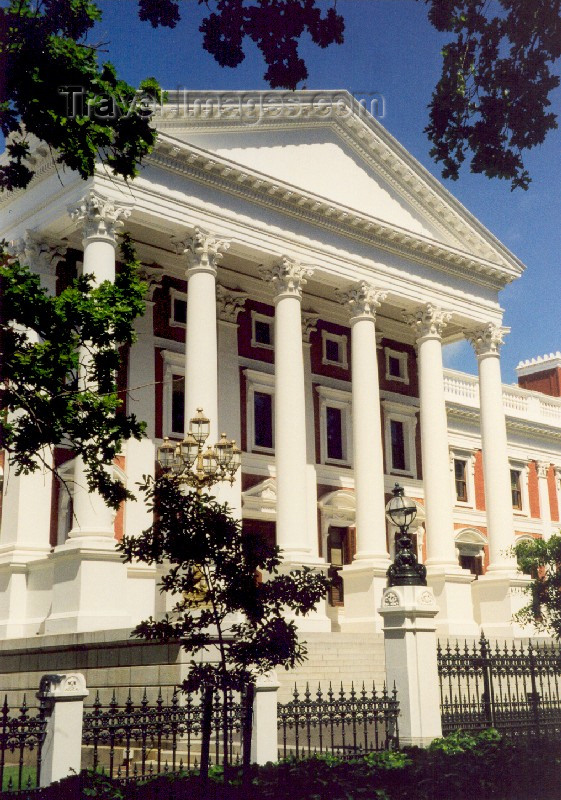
(19, 566)
(316, 621)
(453, 594)
(497, 597)
(89, 588)
(364, 582)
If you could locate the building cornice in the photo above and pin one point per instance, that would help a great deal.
(210, 169)
(517, 424)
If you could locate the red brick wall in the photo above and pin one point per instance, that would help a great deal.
(244, 333)
(533, 493)
(553, 501)
(478, 481)
(162, 310)
(548, 381)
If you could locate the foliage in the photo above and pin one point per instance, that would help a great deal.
(212, 573)
(492, 99)
(493, 96)
(541, 559)
(53, 88)
(490, 768)
(59, 362)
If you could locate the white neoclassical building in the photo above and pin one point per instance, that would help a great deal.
(305, 272)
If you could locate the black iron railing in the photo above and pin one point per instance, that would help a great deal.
(146, 739)
(344, 723)
(21, 742)
(514, 688)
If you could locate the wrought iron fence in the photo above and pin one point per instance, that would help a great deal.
(147, 739)
(514, 688)
(343, 723)
(21, 742)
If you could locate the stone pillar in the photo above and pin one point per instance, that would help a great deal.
(309, 322)
(26, 511)
(203, 251)
(365, 578)
(63, 697)
(411, 666)
(264, 737)
(288, 278)
(450, 583)
(494, 591)
(230, 304)
(542, 468)
(89, 578)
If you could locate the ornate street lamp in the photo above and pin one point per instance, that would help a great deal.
(188, 464)
(405, 570)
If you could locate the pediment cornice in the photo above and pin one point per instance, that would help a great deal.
(227, 176)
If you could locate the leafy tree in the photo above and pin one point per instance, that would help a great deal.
(492, 100)
(59, 365)
(541, 558)
(221, 602)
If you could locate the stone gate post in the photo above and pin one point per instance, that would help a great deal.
(63, 697)
(410, 644)
(264, 741)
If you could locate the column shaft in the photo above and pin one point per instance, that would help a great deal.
(487, 342)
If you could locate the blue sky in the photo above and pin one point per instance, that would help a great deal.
(389, 48)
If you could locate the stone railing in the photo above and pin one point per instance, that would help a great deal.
(463, 389)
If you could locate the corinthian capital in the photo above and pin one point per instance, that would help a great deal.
(101, 217)
(287, 276)
(229, 303)
(36, 253)
(428, 321)
(487, 340)
(203, 251)
(363, 299)
(309, 324)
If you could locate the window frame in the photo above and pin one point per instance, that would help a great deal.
(468, 456)
(174, 364)
(256, 316)
(403, 359)
(263, 382)
(175, 294)
(406, 414)
(341, 340)
(522, 467)
(335, 398)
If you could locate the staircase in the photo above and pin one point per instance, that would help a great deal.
(337, 658)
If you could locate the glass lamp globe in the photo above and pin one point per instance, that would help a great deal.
(401, 510)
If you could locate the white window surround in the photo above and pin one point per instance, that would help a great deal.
(174, 364)
(468, 456)
(341, 340)
(257, 317)
(335, 398)
(258, 382)
(175, 294)
(403, 366)
(406, 414)
(523, 468)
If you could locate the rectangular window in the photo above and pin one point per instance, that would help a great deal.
(398, 445)
(178, 404)
(460, 478)
(263, 419)
(334, 426)
(263, 332)
(179, 311)
(515, 489)
(472, 563)
(332, 350)
(394, 367)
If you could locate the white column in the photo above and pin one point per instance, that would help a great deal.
(101, 220)
(203, 251)
(542, 468)
(487, 342)
(230, 303)
(368, 460)
(309, 322)
(497, 593)
(428, 323)
(26, 512)
(89, 578)
(288, 277)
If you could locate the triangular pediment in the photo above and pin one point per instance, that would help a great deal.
(346, 158)
(261, 499)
